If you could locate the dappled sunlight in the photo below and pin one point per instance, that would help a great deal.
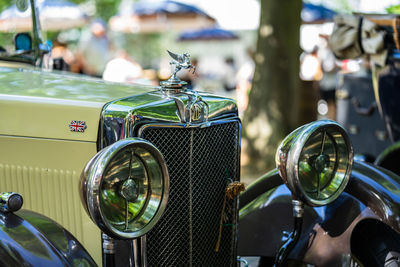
(259, 130)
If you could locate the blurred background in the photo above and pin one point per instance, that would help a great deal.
(272, 56)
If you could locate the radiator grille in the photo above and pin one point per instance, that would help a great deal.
(201, 162)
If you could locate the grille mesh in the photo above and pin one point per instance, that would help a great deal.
(201, 162)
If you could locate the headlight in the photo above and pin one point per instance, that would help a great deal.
(125, 187)
(315, 162)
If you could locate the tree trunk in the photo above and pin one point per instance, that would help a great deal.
(273, 109)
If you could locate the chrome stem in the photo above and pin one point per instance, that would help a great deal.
(143, 246)
(319, 174)
(37, 38)
(323, 143)
(136, 253)
(290, 243)
(126, 214)
(108, 245)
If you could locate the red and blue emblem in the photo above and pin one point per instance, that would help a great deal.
(77, 126)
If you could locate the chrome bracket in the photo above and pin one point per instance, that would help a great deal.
(298, 208)
(10, 202)
(108, 244)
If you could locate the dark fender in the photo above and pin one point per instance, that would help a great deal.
(266, 216)
(30, 239)
(390, 158)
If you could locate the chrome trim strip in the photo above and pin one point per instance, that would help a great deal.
(136, 253)
(185, 125)
(191, 200)
(46, 138)
(143, 244)
(100, 144)
(126, 126)
(235, 231)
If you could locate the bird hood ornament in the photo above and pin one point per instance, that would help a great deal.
(181, 62)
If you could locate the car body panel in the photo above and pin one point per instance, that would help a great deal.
(60, 85)
(266, 220)
(46, 173)
(48, 118)
(30, 239)
(34, 103)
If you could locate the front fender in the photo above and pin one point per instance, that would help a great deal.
(266, 219)
(30, 239)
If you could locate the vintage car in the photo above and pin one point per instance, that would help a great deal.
(129, 175)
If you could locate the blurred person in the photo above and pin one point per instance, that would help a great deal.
(310, 66)
(327, 84)
(94, 49)
(244, 78)
(123, 69)
(63, 58)
(229, 77)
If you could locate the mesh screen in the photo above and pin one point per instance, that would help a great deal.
(201, 163)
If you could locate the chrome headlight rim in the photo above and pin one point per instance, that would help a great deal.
(91, 190)
(289, 158)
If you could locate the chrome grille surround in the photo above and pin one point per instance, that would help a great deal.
(202, 160)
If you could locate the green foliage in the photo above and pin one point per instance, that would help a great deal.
(394, 9)
(144, 47)
(104, 8)
(4, 4)
(77, 1)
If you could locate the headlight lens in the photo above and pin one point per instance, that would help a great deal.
(125, 188)
(315, 162)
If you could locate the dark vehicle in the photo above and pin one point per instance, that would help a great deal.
(367, 100)
(320, 207)
(368, 110)
(350, 225)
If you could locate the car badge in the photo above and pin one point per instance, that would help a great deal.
(196, 112)
(77, 126)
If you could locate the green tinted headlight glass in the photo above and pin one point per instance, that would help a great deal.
(125, 188)
(323, 164)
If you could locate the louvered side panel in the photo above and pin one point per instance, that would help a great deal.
(46, 173)
(50, 192)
